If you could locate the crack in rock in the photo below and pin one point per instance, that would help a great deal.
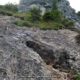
(58, 59)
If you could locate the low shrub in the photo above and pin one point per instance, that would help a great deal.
(68, 23)
(6, 13)
(35, 14)
(48, 16)
(53, 16)
(8, 9)
(50, 25)
(19, 15)
(23, 23)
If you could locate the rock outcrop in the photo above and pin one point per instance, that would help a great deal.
(67, 10)
(26, 5)
(33, 54)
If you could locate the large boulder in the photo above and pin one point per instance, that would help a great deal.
(33, 54)
(24, 56)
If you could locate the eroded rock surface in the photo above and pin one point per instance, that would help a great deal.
(33, 54)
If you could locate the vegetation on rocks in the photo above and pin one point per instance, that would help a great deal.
(50, 20)
(35, 14)
(8, 9)
(53, 19)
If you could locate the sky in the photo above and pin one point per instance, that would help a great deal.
(2, 2)
(74, 3)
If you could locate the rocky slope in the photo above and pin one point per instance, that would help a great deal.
(33, 54)
(68, 11)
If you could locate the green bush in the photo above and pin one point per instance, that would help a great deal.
(35, 14)
(10, 7)
(54, 5)
(53, 16)
(6, 13)
(48, 16)
(57, 15)
(68, 23)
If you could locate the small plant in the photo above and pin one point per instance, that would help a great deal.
(48, 16)
(57, 15)
(53, 16)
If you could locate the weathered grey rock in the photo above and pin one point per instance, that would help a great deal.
(33, 54)
(67, 10)
(20, 61)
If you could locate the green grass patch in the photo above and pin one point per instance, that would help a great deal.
(41, 24)
(25, 20)
(53, 19)
(50, 25)
(23, 23)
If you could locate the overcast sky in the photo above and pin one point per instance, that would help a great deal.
(74, 3)
(2, 2)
